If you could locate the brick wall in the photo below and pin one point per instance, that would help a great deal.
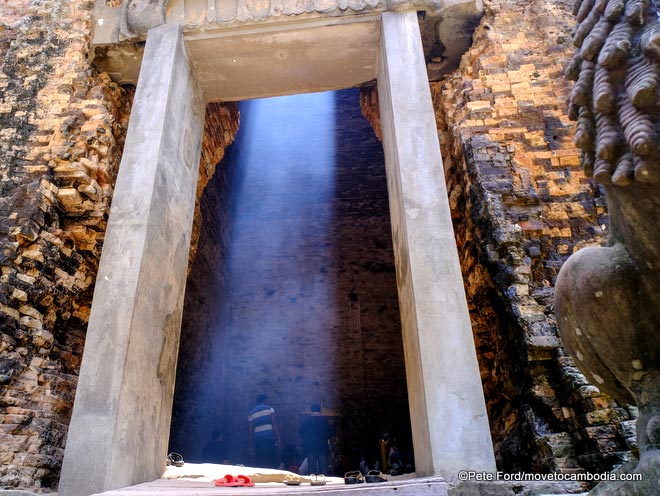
(521, 204)
(60, 141)
(61, 134)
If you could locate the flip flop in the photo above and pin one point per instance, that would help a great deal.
(244, 480)
(228, 481)
(175, 459)
(375, 476)
(317, 480)
(354, 477)
(292, 480)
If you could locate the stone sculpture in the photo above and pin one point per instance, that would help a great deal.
(608, 298)
(139, 16)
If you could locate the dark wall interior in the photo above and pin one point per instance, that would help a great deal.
(293, 292)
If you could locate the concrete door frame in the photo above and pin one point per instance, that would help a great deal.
(447, 409)
(119, 429)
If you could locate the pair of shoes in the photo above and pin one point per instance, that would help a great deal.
(231, 481)
(175, 459)
(375, 476)
(354, 477)
(317, 480)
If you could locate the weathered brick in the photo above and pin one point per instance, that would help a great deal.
(532, 119)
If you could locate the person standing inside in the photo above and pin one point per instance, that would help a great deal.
(264, 436)
(315, 432)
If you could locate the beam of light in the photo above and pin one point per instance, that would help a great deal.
(282, 211)
(293, 290)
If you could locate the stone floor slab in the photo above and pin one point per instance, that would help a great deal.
(167, 487)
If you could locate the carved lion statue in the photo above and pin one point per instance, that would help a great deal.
(608, 298)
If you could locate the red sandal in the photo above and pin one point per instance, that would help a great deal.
(244, 480)
(228, 481)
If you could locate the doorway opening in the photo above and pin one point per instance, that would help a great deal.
(293, 289)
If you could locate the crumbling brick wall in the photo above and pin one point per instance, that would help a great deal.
(61, 135)
(521, 204)
(62, 127)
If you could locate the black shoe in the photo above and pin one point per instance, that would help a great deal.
(375, 476)
(354, 477)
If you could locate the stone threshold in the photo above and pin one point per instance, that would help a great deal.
(423, 486)
(434, 486)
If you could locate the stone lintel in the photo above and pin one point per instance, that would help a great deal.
(131, 19)
(335, 41)
(448, 411)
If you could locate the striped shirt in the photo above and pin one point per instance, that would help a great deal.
(261, 421)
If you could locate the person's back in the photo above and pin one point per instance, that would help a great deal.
(262, 426)
(315, 431)
(263, 432)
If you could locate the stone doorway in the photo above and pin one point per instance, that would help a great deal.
(293, 289)
(119, 429)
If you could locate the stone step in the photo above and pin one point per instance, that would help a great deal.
(433, 486)
(429, 486)
(15, 492)
(526, 488)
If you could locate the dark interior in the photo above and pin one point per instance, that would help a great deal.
(293, 290)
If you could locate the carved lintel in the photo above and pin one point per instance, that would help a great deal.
(402, 5)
